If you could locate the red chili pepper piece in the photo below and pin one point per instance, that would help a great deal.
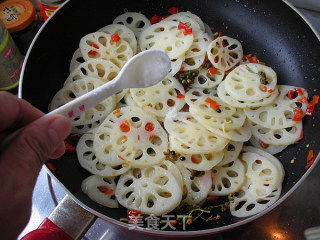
(181, 26)
(180, 95)
(213, 104)
(132, 215)
(149, 127)
(92, 52)
(116, 111)
(161, 18)
(173, 10)
(69, 148)
(312, 104)
(154, 19)
(94, 45)
(212, 71)
(115, 37)
(151, 137)
(303, 99)
(290, 94)
(297, 114)
(299, 91)
(124, 126)
(263, 144)
(309, 164)
(253, 59)
(105, 190)
(194, 160)
(264, 89)
(51, 167)
(310, 155)
(187, 31)
(213, 199)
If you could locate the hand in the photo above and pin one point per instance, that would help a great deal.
(22, 156)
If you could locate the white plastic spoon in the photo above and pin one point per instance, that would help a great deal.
(143, 70)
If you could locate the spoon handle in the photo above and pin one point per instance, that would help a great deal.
(79, 105)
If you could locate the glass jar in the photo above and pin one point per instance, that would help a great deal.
(47, 7)
(10, 61)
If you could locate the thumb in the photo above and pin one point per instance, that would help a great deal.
(35, 143)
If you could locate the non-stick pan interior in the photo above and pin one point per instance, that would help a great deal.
(269, 29)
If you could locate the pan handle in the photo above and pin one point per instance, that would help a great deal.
(68, 221)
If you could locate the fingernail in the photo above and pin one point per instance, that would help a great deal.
(58, 130)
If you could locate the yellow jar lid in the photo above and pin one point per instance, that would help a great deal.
(17, 14)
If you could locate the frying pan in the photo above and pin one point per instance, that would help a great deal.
(272, 30)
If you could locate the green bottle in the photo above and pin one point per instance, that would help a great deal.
(11, 61)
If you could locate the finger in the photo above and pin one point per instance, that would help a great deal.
(17, 112)
(34, 145)
(59, 151)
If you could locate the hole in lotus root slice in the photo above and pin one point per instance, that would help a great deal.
(136, 172)
(145, 142)
(276, 137)
(99, 45)
(227, 178)
(157, 193)
(137, 22)
(175, 66)
(100, 190)
(89, 161)
(163, 193)
(205, 80)
(124, 33)
(193, 63)
(231, 152)
(90, 118)
(76, 60)
(175, 41)
(162, 180)
(279, 114)
(221, 55)
(263, 174)
(159, 105)
(247, 204)
(96, 68)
